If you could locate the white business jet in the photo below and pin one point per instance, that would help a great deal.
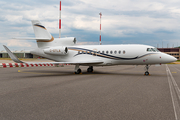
(65, 51)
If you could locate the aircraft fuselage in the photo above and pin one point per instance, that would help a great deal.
(110, 54)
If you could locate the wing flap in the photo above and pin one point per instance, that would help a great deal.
(73, 63)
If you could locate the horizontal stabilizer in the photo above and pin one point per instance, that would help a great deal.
(33, 39)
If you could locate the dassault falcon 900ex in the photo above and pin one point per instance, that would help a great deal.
(65, 51)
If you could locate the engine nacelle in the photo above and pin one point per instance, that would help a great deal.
(56, 50)
(69, 41)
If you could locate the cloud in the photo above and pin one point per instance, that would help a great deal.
(18, 43)
(127, 21)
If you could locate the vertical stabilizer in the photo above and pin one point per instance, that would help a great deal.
(43, 37)
(40, 31)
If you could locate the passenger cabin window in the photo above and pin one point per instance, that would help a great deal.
(119, 52)
(107, 52)
(103, 52)
(124, 52)
(111, 52)
(115, 52)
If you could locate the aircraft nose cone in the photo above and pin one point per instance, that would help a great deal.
(174, 59)
(168, 58)
(171, 59)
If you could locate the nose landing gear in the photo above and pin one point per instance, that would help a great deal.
(146, 68)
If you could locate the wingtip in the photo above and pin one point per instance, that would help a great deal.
(12, 56)
(5, 47)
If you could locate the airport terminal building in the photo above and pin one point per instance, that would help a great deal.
(19, 54)
(171, 51)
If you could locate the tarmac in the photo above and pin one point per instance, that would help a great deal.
(114, 92)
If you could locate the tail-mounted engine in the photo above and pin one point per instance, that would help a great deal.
(67, 41)
(56, 50)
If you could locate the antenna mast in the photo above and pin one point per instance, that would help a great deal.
(60, 20)
(100, 28)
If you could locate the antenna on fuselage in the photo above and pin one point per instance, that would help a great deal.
(60, 20)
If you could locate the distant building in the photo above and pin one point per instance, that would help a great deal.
(171, 51)
(19, 54)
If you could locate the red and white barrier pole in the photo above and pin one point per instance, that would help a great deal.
(7, 65)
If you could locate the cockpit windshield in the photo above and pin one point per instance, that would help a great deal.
(152, 50)
(156, 50)
(148, 49)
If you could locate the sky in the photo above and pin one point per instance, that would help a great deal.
(149, 22)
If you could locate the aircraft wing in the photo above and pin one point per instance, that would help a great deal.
(15, 59)
(73, 63)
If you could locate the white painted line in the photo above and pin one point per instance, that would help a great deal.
(173, 97)
(173, 94)
(174, 83)
(176, 69)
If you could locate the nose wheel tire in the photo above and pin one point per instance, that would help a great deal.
(146, 73)
(147, 68)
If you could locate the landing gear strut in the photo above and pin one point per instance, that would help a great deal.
(146, 68)
(77, 70)
(90, 69)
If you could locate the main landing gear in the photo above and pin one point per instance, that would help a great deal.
(146, 68)
(77, 70)
(90, 69)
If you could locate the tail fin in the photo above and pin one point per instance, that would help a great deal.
(40, 31)
(41, 34)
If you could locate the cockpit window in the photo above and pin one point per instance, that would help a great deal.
(156, 50)
(148, 49)
(153, 50)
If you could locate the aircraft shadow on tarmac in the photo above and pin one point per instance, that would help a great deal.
(42, 73)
